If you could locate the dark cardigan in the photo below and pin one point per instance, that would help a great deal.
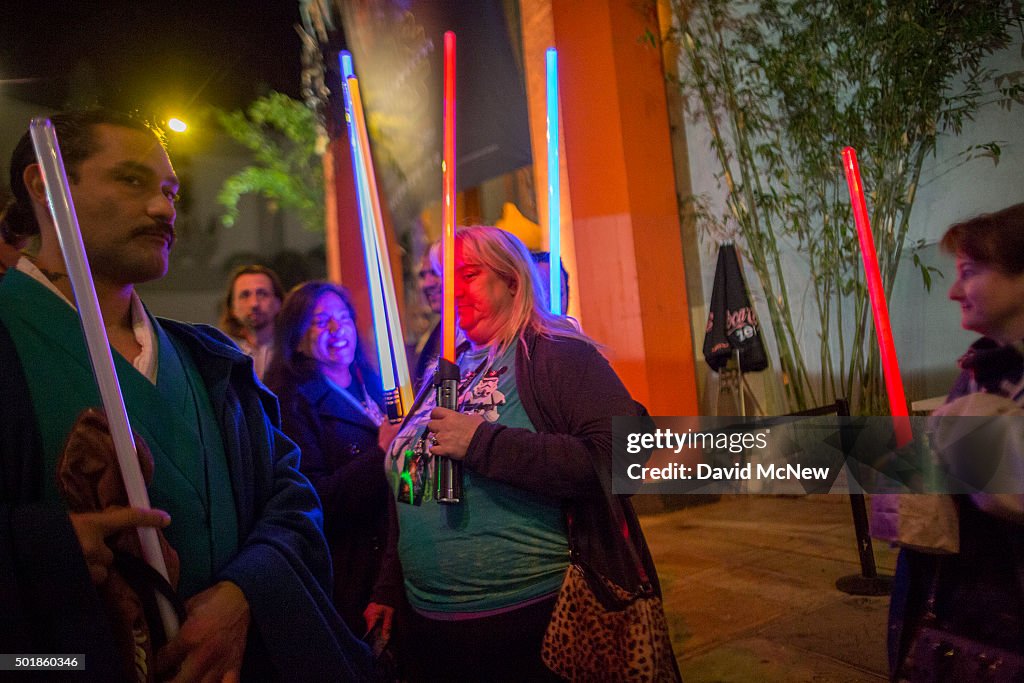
(570, 393)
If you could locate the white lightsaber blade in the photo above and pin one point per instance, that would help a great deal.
(58, 194)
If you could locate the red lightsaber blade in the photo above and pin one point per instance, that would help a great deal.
(879, 307)
(449, 471)
(448, 206)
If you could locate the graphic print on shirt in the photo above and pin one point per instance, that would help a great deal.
(484, 399)
(416, 470)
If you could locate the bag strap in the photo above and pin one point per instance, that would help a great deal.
(147, 582)
(420, 397)
(614, 504)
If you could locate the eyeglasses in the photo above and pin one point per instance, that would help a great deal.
(323, 321)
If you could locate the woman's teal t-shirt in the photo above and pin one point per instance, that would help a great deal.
(501, 546)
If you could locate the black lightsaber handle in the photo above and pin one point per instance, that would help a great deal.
(393, 404)
(449, 471)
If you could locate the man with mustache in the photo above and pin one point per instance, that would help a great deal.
(226, 491)
(250, 309)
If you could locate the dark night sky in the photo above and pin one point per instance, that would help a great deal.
(148, 55)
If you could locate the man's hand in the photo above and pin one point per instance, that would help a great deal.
(93, 529)
(211, 643)
(452, 432)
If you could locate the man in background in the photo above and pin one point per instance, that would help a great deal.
(251, 304)
(542, 259)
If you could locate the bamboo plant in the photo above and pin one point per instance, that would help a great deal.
(783, 86)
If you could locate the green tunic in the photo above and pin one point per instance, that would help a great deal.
(174, 417)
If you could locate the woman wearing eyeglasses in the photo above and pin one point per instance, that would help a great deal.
(331, 407)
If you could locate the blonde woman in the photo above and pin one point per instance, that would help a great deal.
(534, 432)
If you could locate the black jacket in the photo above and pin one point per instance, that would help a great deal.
(570, 393)
(341, 458)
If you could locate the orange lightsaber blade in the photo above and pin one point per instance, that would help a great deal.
(396, 377)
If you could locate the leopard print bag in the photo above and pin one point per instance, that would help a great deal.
(607, 634)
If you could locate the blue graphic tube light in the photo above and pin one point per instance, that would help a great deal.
(554, 189)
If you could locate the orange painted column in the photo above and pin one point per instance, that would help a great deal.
(629, 253)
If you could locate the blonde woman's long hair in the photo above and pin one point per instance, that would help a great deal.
(508, 257)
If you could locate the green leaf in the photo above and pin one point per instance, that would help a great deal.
(282, 134)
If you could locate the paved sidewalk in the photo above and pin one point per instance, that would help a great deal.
(749, 587)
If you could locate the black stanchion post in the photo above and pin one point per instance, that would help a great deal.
(868, 582)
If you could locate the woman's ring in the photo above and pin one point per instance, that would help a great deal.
(433, 439)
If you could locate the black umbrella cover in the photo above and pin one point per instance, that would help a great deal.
(732, 321)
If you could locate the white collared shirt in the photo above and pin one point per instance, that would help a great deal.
(145, 335)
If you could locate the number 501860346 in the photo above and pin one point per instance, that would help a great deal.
(42, 662)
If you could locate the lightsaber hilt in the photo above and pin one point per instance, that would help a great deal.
(393, 404)
(449, 470)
